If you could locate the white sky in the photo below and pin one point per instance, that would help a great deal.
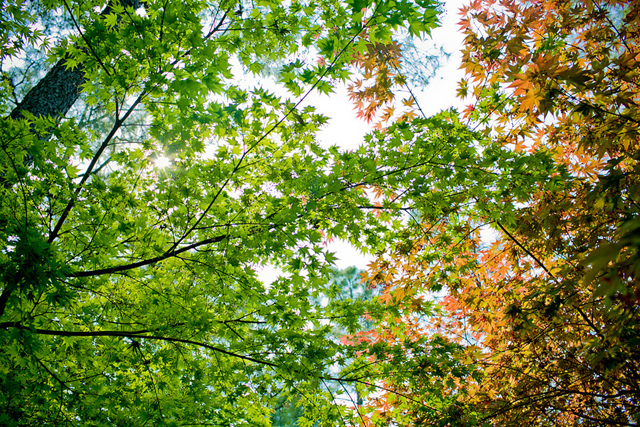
(348, 131)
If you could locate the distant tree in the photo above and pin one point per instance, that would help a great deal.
(345, 287)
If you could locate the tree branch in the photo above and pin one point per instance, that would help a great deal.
(526, 250)
(166, 255)
(138, 335)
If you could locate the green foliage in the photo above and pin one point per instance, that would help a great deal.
(130, 292)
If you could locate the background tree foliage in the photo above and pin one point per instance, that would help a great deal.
(130, 293)
(545, 307)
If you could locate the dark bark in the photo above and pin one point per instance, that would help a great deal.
(56, 93)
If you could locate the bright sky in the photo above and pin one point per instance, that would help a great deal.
(347, 131)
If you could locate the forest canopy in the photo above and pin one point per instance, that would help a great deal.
(148, 175)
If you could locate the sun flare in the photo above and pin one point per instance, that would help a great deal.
(162, 162)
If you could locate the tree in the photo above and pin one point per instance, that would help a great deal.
(464, 182)
(129, 290)
(547, 311)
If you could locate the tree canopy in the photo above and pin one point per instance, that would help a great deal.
(540, 277)
(130, 292)
(148, 176)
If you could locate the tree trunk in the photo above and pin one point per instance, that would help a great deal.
(56, 93)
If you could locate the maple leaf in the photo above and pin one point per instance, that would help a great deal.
(552, 81)
(522, 84)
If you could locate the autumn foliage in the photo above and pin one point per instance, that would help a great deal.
(540, 287)
(373, 93)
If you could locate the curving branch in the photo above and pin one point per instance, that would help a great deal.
(135, 334)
